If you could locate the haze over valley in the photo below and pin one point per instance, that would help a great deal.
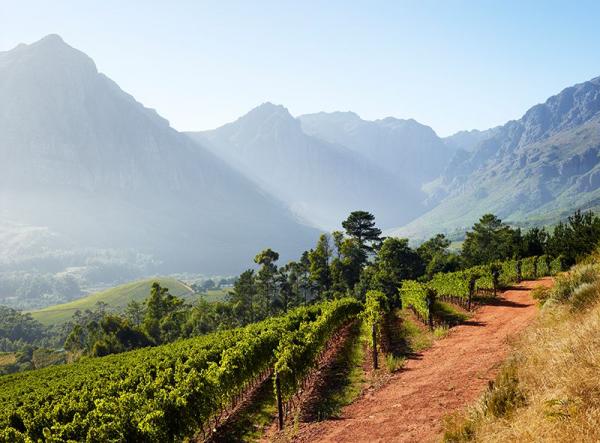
(97, 189)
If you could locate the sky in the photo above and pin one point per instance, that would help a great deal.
(453, 65)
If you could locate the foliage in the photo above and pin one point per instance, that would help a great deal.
(18, 329)
(152, 394)
(414, 296)
(376, 306)
(361, 226)
(265, 282)
(451, 284)
(319, 258)
(490, 240)
(435, 255)
(395, 262)
(299, 349)
(576, 238)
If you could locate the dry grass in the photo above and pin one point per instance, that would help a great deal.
(550, 389)
(7, 358)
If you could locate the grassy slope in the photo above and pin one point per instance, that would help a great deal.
(117, 298)
(215, 295)
(547, 391)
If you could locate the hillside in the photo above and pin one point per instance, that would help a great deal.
(116, 298)
(545, 390)
(536, 169)
(319, 180)
(90, 178)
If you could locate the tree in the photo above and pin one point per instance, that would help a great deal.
(577, 237)
(434, 253)
(265, 281)
(435, 245)
(134, 313)
(338, 239)
(320, 273)
(490, 240)
(242, 297)
(305, 284)
(395, 262)
(361, 226)
(163, 317)
(534, 242)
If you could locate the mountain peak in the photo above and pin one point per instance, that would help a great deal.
(53, 39)
(269, 112)
(51, 42)
(268, 108)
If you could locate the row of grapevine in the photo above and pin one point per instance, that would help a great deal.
(298, 350)
(376, 308)
(509, 272)
(529, 268)
(459, 287)
(152, 394)
(414, 296)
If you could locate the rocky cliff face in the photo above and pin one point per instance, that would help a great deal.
(85, 161)
(538, 168)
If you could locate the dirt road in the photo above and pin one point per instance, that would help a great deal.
(443, 379)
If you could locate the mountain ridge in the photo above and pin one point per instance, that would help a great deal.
(88, 165)
(321, 181)
(535, 169)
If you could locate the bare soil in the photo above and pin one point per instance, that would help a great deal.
(438, 381)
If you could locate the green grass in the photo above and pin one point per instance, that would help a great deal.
(417, 337)
(250, 422)
(347, 377)
(214, 295)
(116, 298)
(449, 314)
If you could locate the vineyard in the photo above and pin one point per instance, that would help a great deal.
(167, 392)
(174, 391)
(461, 287)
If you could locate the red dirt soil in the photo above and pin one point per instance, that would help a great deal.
(445, 378)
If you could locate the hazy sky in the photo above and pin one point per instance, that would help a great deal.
(449, 64)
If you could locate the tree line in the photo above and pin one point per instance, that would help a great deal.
(349, 262)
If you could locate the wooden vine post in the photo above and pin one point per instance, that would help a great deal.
(430, 302)
(279, 400)
(374, 345)
(519, 273)
(495, 278)
(472, 282)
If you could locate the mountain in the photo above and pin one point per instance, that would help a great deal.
(468, 140)
(321, 181)
(91, 178)
(533, 170)
(405, 148)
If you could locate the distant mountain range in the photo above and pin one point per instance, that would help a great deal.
(411, 151)
(94, 184)
(322, 180)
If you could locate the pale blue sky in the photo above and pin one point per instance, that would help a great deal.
(450, 64)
